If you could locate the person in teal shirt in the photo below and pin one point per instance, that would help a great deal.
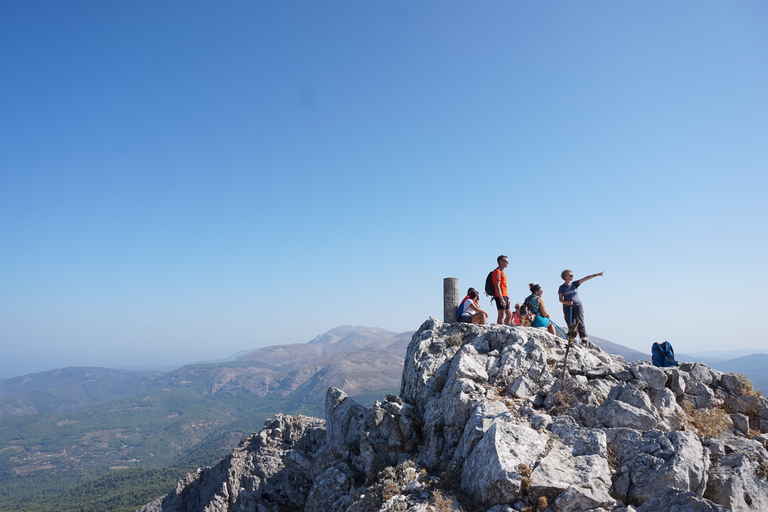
(536, 305)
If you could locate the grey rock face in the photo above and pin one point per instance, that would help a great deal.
(675, 500)
(490, 419)
(267, 468)
(492, 472)
(649, 462)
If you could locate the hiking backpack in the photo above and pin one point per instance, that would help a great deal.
(489, 289)
(460, 309)
(663, 354)
(527, 314)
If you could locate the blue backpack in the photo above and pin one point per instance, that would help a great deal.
(460, 309)
(663, 354)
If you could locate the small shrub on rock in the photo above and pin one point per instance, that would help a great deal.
(708, 422)
(390, 481)
(454, 340)
(747, 388)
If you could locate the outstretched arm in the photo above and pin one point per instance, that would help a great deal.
(580, 281)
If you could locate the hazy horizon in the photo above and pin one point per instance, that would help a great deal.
(39, 367)
(183, 180)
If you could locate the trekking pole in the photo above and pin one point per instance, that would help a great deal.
(571, 339)
(572, 328)
(568, 344)
(565, 363)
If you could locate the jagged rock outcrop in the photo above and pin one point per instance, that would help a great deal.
(486, 421)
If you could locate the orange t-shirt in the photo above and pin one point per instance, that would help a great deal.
(499, 276)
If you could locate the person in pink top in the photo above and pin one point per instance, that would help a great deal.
(516, 314)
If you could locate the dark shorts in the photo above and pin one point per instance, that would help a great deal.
(499, 305)
(467, 319)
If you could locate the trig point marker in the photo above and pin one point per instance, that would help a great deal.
(450, 298)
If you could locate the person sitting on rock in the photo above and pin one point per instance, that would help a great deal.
(471, 312)
(536, 304)
(516, 314)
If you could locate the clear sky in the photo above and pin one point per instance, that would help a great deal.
(180, 181)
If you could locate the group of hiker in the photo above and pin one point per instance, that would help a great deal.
(532, 311)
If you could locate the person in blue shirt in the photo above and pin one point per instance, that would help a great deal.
(569, 298)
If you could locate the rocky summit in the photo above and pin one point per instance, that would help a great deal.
(496, 419)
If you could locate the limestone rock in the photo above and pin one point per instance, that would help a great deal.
(494, 471)
(649, 462)
(489, 419)
(675, 500)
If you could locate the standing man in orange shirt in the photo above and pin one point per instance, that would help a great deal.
(500, 294)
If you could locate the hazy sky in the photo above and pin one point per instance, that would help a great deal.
(184, 180)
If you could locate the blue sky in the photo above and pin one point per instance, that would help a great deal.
(184, 180)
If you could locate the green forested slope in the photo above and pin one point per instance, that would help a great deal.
(121, 455)
(82, 439)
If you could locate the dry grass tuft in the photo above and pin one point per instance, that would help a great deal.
(389, 489)
(708, 422)
(540, 506)
(442, 503)
(565, 399)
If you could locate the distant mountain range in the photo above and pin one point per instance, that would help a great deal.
(754, 366)
(752, 363)
(70, 389)
(65, 426)
(363, 358)
(62, 427)
(620, 350)
(725, 355)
